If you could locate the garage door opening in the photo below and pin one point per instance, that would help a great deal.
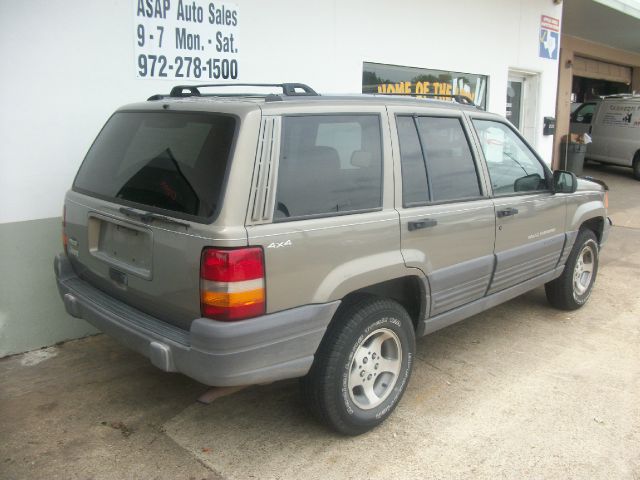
(585, 89)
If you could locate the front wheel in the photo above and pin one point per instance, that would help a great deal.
(572, 289)
(362, 366)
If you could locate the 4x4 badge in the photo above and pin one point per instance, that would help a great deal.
(288, 243)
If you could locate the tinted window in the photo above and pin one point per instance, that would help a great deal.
(451, 169)
(329, 164)
(414, 174)
(512, 165)
(171, 161)
(345, 137)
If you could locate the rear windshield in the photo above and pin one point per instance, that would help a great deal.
(164, 160)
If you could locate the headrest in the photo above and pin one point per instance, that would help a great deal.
(322, 157)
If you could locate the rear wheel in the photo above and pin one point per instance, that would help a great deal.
(362, 366)
(636, 166)
(573, 288)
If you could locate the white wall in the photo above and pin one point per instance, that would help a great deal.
(67, 64)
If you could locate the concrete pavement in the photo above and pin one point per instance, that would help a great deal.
(520, 391)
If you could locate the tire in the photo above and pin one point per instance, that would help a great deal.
(636, 166)
(362, 367)
(572, 289)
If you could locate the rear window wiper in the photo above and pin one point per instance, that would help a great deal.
(147, 217)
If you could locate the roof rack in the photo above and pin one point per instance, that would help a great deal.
(461, 99)
(622, 95)
(288, 90)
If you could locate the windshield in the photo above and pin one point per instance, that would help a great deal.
(165, 160)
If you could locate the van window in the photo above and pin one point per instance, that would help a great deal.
(513, 167)
(170, 161)
(584, 113)
(329, 164)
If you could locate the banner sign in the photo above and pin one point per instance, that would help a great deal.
(186, 40)
(549, 37)
(381, 78)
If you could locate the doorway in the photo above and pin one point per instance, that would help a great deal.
(514, 100)
(522, 100)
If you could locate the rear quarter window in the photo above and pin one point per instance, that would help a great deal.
(329, 164)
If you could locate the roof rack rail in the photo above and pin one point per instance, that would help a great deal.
(461, 99)
(622, 95)
(288, 90)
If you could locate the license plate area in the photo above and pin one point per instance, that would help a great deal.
(126, 246)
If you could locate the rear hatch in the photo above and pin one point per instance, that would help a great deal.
(145, 203)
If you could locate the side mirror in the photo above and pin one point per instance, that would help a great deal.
(564, 182)
(529, 183)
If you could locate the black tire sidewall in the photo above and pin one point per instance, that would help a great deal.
(396, 320)
(636, 166)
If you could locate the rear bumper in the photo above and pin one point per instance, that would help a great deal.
(264, 349)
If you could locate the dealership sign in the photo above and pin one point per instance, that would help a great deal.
(425, 82)
(549, 37)
(186, 40)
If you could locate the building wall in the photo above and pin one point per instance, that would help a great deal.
(31, 313)
(69, 64)
(570, 47)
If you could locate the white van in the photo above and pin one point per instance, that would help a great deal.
(615, 131)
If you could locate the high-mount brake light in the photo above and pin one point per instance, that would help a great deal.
(232, 283)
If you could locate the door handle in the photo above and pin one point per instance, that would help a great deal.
(507, 212)
(422, 223)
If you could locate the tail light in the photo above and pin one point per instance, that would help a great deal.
(65, 239)
(232, 283)
(606, 199)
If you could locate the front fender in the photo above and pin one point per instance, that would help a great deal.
(581, 211)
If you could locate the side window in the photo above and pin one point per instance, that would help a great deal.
(513, 167)
(414, 174)
(449, 172)
(584, 113)
(329, 164)
(450, 165)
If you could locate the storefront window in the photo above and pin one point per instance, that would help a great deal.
(380, 78)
